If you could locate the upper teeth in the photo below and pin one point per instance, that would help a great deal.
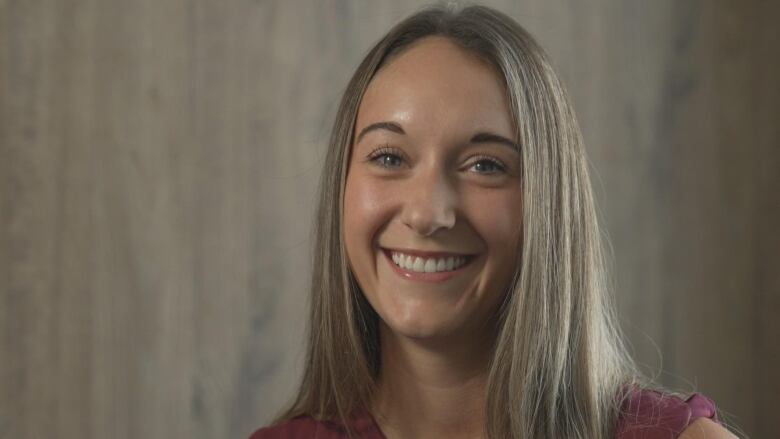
(429, 265)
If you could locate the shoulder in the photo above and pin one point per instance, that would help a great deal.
(653, 414)
(704, 428)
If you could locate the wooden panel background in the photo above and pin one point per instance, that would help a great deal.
(158, 163)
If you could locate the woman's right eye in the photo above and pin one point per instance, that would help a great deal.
(386, 158)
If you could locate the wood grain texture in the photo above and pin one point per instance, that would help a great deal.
(158, 171)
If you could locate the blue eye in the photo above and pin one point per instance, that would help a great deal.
(387, 160)
(391, 158)
(386, 157)
(488, 165)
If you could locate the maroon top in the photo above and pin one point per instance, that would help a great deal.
(645, 415)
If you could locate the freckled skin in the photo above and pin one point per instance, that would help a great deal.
(433, 197)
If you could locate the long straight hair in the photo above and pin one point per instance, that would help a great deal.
(558, 363)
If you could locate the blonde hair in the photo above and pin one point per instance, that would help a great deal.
(558, 364)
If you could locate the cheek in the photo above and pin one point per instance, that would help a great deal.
(366, 209)
(499, 221)
(499, 217)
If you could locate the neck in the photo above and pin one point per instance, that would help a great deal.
(431, 388)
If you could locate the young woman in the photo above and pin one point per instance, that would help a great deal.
(458, 288)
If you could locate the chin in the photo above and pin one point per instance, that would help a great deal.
(420, 325)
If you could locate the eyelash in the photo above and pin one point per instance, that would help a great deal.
(387, 151)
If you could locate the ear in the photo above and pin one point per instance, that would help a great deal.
(705, 428)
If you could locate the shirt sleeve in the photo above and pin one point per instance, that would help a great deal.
(648, 414)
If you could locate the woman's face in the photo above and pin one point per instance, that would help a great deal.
(433, 182)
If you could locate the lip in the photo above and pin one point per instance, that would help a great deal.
(424, 254)
(437, 277)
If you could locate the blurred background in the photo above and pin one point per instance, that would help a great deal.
(158, 171)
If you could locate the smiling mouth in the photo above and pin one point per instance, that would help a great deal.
(430, 264)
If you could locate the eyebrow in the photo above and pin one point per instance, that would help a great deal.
(481, 137)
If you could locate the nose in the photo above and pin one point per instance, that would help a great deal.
(430, 203)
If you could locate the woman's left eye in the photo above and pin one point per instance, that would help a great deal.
(488, 166)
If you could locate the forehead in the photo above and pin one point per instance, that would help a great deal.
(436, 84)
